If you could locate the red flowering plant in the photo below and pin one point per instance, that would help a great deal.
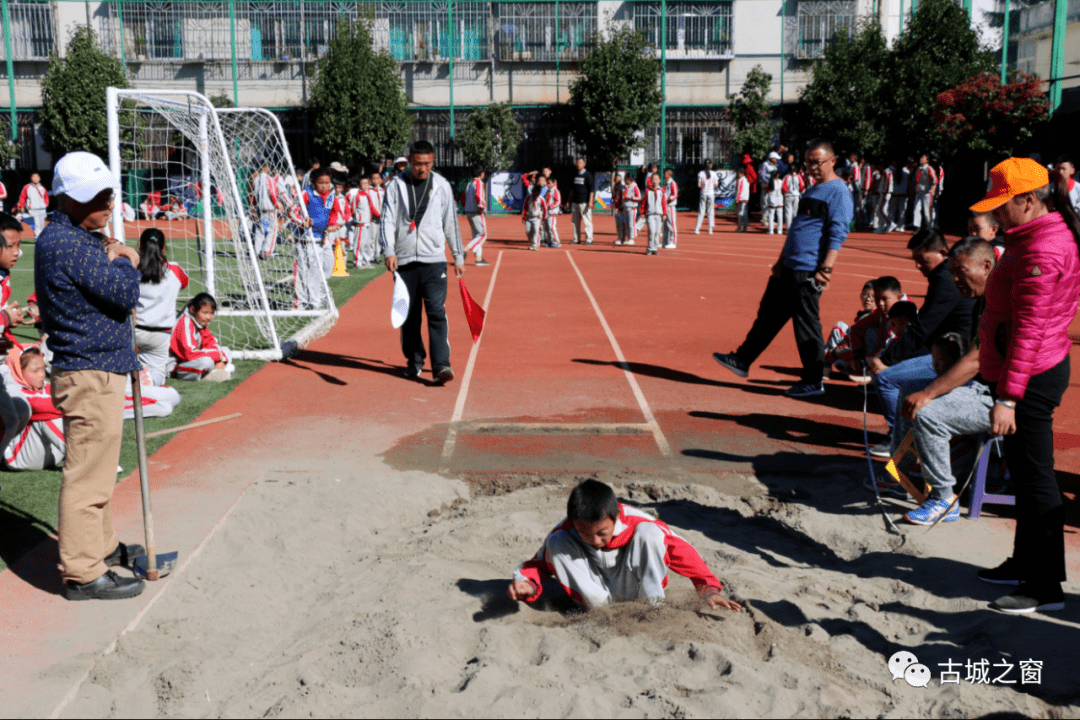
(982, 116)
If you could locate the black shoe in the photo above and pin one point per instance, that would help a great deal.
(443, 375)
(732, 363)
(124, 555)
(1030, 597)
(482, 263)
(1004, 574)
(411, 372)
(109, 586)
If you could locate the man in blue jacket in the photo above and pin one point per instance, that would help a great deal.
(801, 274)
(86, 294)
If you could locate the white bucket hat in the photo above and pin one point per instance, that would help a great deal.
(401, 160)
(81, 176)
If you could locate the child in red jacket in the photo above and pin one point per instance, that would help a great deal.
(606, 552)
(194, 353)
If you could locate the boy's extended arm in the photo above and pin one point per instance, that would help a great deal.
(683, 558)
(534, 572)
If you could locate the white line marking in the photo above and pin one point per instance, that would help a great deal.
(70, 696)
(650, 420)
(540, 427)
(463, 393)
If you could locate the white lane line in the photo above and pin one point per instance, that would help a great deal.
(650, 419)
(174, 576)
(507, 428)
(463, 393)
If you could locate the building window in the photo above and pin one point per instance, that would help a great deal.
(532, 31)
(32, 36)
(694, 30)
(819, 21)
(423, 32)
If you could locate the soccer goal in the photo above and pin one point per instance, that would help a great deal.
(220, 184)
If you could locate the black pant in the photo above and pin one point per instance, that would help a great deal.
(427, 282)
(1039, 545)
(789, 297)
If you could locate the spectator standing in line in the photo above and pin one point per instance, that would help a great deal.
(925, 187)
(419, 219)
(899, 204)
(34, 199)
(86, 294)
(707, 180)
(784, 161)
(801, 275)
(1031, 299)
(582, 196)
(313, 165)
(766, 173)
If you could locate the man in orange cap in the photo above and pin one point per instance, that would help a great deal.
(1031, 298)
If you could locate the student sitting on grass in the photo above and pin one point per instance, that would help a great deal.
(40, 444)
(155, 315)
(10, 315)
(606, 552)
(194, 353)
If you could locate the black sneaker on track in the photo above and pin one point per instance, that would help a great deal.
(482, 263)
(443, 376)
(732, 363)
(1030, 597)
(1004, 574)
(805, 390)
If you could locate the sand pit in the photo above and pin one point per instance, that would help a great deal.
(382, 594)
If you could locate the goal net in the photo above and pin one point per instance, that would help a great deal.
(221, 186)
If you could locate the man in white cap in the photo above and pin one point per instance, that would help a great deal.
(86, 293)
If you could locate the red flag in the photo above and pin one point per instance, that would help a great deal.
(473, 312)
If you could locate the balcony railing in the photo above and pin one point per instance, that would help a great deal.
(32, 31)
(819, 21)
(694, 30)
(535, 31)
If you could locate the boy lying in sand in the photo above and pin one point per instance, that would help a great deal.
(606, 552)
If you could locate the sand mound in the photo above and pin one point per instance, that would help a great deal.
(384, 595)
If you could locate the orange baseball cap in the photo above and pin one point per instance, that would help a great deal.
(1009, 178)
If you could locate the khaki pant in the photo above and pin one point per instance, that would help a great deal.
(92, 402)
(582, 219)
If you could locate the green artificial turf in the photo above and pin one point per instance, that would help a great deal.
(28, 500)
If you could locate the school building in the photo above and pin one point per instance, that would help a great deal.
(455, 55)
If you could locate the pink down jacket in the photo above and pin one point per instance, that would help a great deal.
(1031, 298)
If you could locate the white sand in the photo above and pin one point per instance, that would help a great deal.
(345, 594)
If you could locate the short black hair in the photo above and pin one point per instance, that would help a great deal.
(477, 171)
(928, 239)
(321, 172)
(313, 161)
(340, 179)
(887, 283)
(822, 144)
(591, 502)
(421, 147)
(869, 285)
(954, 345)
(8, 222)
(204, 298)
(1065, 159)
(904, 309)
(972, 245)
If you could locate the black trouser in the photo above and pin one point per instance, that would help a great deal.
(427, 282)
(789, 297)
(1039, 545)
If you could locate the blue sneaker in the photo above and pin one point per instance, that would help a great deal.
(732, 363)
(931, 510)
(805, 389)
(886, 484)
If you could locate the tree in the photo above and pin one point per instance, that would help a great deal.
(358, 100)
(843, 99)
(980, 116)
(938, 50)
(751, 114)
(616, 97)
(490, 137)
(222, 100)
(73, 96)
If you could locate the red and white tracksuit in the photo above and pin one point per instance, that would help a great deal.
(671, 229)
(155, 319)
(534, 212)
(654, 208)
(926, 182)
(267, 204)
(793, 188)
(365, 209)
(554, 203)
(34, 199)
(647, 549)
(631, 197)
(41, 443)
(475, 211)
(151, 206)
(194, 350)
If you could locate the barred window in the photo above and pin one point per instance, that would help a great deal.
(694, 30)
(32, 36)
(819, 21)
(531, 31)
(418, 31)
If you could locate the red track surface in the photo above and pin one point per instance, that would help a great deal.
(544, 358)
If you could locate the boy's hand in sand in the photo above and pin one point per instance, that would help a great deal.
(521, 590)
(716, 600)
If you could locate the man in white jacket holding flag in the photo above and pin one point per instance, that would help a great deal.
(419, 218)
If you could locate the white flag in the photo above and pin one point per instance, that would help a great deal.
(399, 310)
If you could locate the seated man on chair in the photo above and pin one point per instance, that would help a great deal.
(958, 402)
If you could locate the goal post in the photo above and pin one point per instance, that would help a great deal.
(196, 172)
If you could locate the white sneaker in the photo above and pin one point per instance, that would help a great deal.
(883, 449)
(218, 376)
(628, 242)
